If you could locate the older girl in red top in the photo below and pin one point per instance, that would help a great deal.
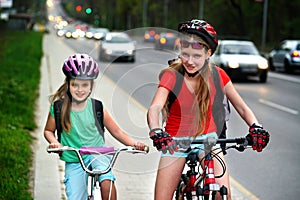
(198, 110)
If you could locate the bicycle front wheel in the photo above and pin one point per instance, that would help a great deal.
(180, 193)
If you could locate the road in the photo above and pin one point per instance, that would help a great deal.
(272, 174)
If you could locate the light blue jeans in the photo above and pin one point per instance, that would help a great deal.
(76, 179)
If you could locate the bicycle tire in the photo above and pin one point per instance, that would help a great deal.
(179, 194)
(179, 190)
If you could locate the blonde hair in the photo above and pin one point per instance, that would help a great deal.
(202, 91)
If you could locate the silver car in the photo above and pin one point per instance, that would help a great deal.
(117, 46)
(240, 57)
(285, 57)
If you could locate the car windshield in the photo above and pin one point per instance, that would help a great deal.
(117, 39)
(239, 49)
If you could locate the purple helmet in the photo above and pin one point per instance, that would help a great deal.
(81, 66)
(202, 29)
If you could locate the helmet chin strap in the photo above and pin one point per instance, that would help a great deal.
(192, 75)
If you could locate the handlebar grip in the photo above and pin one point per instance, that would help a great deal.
(146, 149)
(249, 139)
(55, 150)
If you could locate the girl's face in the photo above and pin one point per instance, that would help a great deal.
(80, 89)
(193, 54)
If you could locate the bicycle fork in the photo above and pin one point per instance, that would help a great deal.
(210, 184)
(190, 178)
(95, 188)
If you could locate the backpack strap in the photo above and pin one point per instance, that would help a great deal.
(98, 114)
(57, 108)
(218, 109)
(175, 91)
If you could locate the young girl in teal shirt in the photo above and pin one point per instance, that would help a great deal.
(79, 129)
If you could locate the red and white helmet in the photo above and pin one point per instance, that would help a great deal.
(202, 29)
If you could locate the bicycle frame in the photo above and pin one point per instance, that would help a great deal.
(204, 186)
(94, 185)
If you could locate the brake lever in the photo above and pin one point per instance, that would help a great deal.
(240, 148)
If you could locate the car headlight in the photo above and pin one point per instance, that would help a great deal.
(233, 64)
(262, 65)
(107, 51)
(130, 52)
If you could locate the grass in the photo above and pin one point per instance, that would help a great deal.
(20, 56)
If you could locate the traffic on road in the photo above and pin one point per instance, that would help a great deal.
(272, 174)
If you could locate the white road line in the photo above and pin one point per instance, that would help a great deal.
(279, 107)
(284, 77)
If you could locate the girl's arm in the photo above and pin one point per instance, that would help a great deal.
(240, 106)
(49, 132)
(118, 133)
(156, 107)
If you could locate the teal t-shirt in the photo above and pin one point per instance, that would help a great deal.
(83, 132)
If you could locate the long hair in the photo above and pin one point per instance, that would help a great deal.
(62, 94)
(202, 92)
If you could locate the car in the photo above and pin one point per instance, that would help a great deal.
(96, 33)
(240, 58)
(117, 45)
(100, 33)
(285, 57)
(167, 40)
(151, 36)
(61, 32)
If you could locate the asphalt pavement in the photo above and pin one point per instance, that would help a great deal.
(135, 173)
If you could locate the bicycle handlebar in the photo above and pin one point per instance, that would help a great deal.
(98, 150)
(212, 141)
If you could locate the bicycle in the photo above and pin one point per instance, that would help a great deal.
(202, 185)
(93, 186)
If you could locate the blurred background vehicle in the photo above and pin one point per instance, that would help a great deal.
(61, 32)
(117, 46)
(286, 56)
(151, 36)
(96, 33)
(68, 33)
(167, 40)
(240, 57)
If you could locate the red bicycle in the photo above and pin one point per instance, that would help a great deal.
(201, 184)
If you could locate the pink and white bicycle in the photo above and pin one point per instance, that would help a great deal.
(93, 186)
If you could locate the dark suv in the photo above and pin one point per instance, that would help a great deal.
(285, 57)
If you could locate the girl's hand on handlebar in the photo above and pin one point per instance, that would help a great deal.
(53, 145)
(140, 146)
(163, 141)
(259, 136)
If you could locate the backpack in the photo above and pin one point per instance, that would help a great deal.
(98, 115)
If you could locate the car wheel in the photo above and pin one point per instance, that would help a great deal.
(287, 66)
(263, 77)
(271, 66)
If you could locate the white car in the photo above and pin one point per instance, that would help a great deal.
(117, 45)
(96, 33)
(240, 57)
